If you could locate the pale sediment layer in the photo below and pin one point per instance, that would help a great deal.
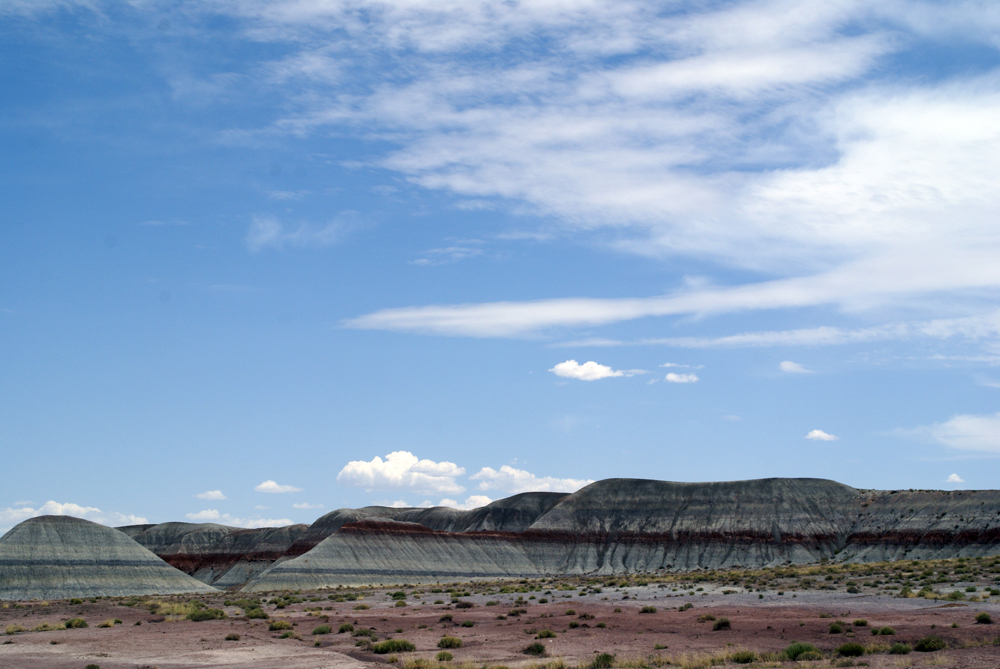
(57, 557)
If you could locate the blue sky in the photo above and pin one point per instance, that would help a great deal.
(262, 260)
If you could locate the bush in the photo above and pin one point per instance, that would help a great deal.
(836, 628)
(648, 609)
(464, 605)
(361, 607)
(468, 623)
(322, 629)
(983, 619)
(76, 600)
(795, 651)
(721, 624)
(255, 613)
(93, 666)
(743, 657)
(393, 646)
(851, 649)
(76, 623)
(571, 612)
(444, 656)
(929, 644)
(400, 602)
(883, 631)
(705, 618)
(446, 618)
(449, 642)
(536, 649)
(279, 625)
(199, 615)
(232, 637)
(899, 649)
(860, 622)
(546, 634)
(603, 661)
(14, 629)
(346, 627)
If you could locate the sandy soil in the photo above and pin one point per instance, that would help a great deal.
(763, 624)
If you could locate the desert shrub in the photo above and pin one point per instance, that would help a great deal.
(648, 609)
(279, 625)
(232, 637)
(536, 649)
(76, 600)
(468, 623)
(929, 644)
(399, 594)
(199, 615)
(743, 657)
(602, 625)
(983, 619)
(255, 613)
(796, 650)
(322, 629)
(685, 607)
(464, 605)
(705, 618)
(449, 642)
(393, 646)
(444, 656)
(571, 612)
(721, 624)
(836, 628)
(93, 666)
(851, 649)
(361, 607)
(14, 629)
(446, 618)
(289, 635)
(76, 623)
(603, 661)
(517, 612)
(860, 622)
(899, 649)
(48, 627)
(370, 633)
(546, 634)
(883, 631)
(346, 627)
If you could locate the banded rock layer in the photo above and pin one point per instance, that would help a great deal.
(628, 526)
(57, 557)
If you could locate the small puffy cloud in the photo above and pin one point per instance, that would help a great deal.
(509, 479)
(793, 368)
(472, 502)
(967, 432)
(400, 504)
(213, 516)
(681, 378)
(954, 478)
(588, 371)
(13, 515)
(211, 495)
(820, 435)
(305, 505)
(402, 470)
(271, 486)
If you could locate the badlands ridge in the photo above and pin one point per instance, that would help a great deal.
(609, 527)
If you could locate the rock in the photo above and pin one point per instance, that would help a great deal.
(58, 557)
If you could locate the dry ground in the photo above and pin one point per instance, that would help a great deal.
(587, 617)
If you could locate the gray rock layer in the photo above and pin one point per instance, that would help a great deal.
(57, 557)
(640, 526)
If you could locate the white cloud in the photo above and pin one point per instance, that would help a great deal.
(472, 502)
(23, 511)
(966, 432)
(954, 478)
(211, 495)
(305, 505)
(213, 516)
(674, 364)
(272, 486)
(509, 479)
(266, 231)
(672, 377)
(793, 367)
(402, 470)
(588, 371)
(820, 435)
